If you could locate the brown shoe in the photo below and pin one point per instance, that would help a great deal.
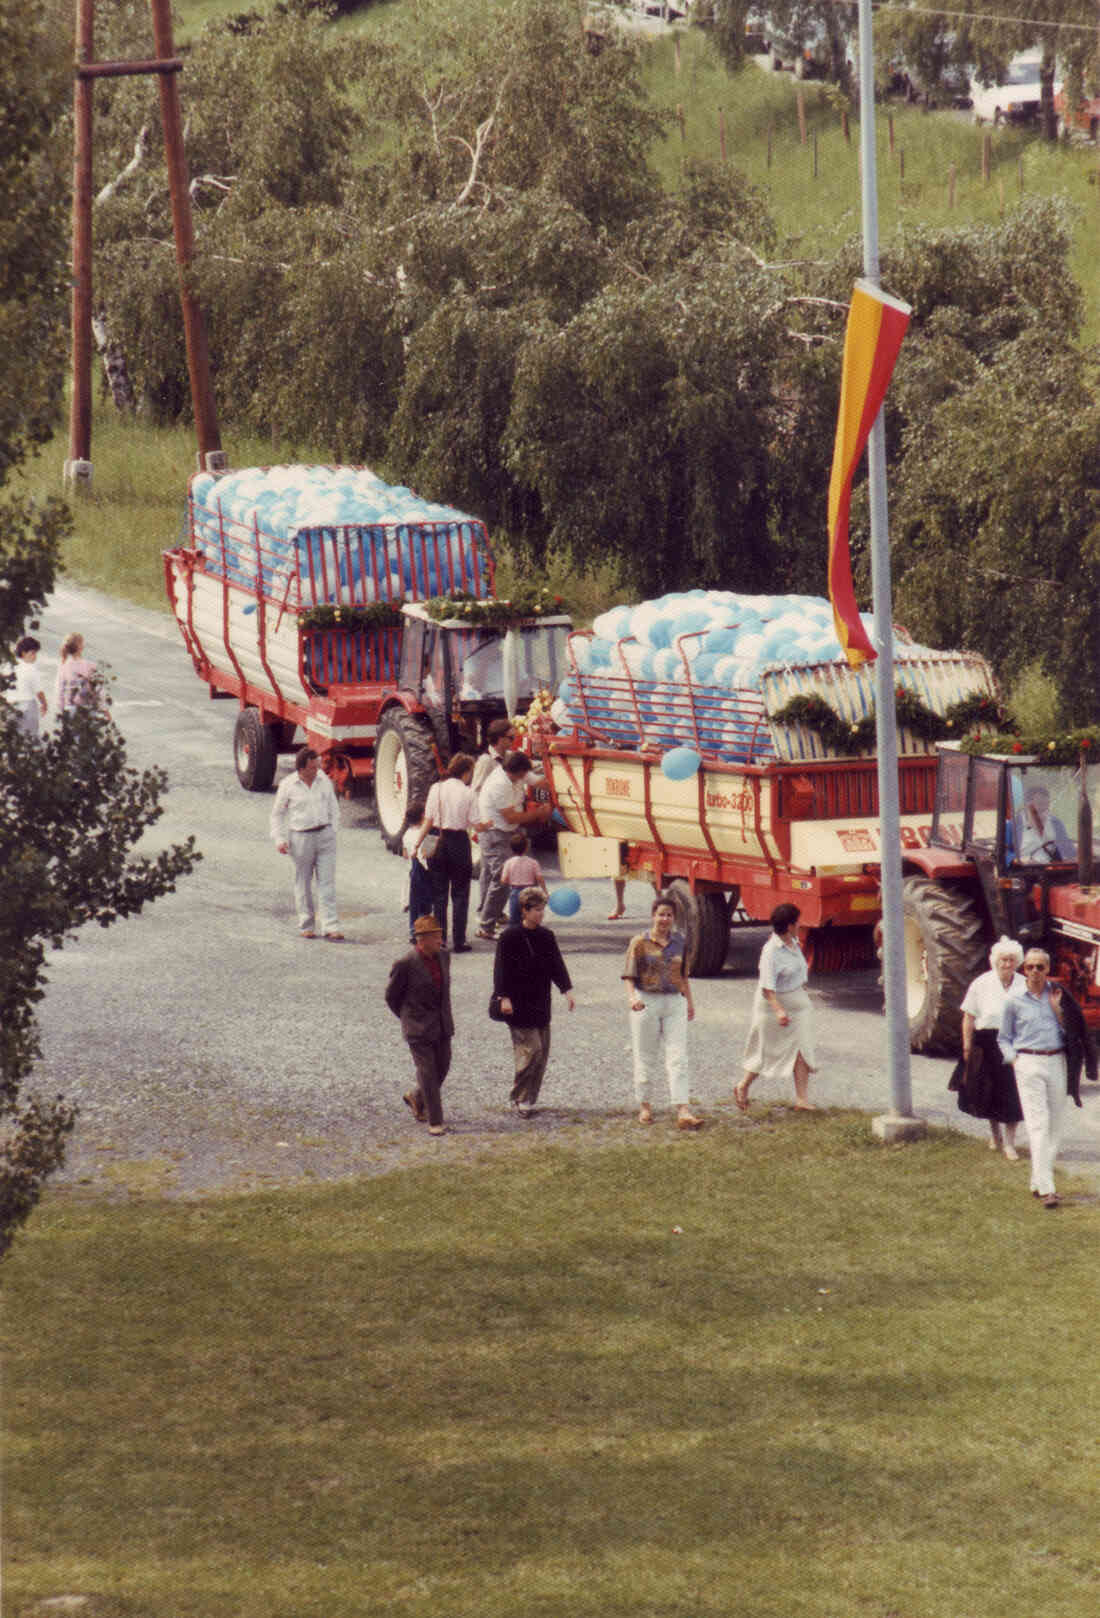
(415, 1103)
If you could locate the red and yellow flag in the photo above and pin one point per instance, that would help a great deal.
(876, 326)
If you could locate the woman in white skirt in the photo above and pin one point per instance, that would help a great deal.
(780, 1041)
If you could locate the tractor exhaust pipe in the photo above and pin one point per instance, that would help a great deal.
(1084, 825)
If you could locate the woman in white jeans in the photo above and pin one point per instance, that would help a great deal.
(659, 995)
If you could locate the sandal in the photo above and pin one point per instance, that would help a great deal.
(741, 1096)
(645, 1113)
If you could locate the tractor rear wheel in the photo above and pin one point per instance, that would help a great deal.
(254, 751)
(944, 952)
(703, 918)
(404, 769)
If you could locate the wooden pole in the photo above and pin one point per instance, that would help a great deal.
(194, 326)
(676, 48)
(800, 102)
(78, 467)
(844, 129)
(890, 127)
(987, 156)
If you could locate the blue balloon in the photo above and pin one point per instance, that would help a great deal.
(680, 763)
(564, 901)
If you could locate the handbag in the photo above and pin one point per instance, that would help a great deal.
(495, 1012)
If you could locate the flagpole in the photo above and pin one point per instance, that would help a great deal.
(899, 1122)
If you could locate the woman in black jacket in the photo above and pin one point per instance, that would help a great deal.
(528, 962)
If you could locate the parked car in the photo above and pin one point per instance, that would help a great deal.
(1016, 99)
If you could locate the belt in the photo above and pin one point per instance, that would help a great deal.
(1057, 1051)
(314, 828)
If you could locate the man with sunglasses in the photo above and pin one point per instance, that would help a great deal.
(1043, 1036)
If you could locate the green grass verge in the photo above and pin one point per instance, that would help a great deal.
(916, 152)
(733, 1374)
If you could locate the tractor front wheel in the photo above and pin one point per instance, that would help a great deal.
(944, 952)
(404, 769)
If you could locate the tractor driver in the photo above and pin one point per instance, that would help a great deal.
(1042, 836)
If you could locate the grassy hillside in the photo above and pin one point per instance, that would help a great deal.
(930, 172)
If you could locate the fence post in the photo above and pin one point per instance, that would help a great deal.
(800, 101)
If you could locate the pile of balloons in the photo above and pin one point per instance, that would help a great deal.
(350, 537)
(685, 670)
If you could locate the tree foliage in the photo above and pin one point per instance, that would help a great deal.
(70, 808)
(478, 285)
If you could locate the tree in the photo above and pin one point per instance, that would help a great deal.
(70, 809)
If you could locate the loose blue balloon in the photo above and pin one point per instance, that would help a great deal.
(564, 901)
(680, 763)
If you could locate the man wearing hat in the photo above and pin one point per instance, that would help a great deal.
(419, 992)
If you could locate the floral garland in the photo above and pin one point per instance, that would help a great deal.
(493, 613)
(1065, 748)
(841, 736)
(376, 615)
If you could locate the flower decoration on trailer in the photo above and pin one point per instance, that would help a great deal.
(375, 615)
(839, 735)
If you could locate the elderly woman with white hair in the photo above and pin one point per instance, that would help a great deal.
(984, 1081)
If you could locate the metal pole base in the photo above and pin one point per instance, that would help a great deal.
(892, 1127)
(215, 460)
(78, 476)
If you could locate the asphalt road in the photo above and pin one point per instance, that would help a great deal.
(209, 1048)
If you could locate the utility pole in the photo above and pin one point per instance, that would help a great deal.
(78, 467)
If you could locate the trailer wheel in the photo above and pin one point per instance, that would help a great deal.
(404, 769)
(944, 952)
(703, 918)
(254, 751)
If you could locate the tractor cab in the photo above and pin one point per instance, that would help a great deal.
(468, 673)
(1016, 820)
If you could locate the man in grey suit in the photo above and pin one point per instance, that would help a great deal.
(419, 992)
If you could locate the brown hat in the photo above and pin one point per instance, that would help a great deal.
(425, 924)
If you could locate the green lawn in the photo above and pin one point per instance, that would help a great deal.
(775, 1371)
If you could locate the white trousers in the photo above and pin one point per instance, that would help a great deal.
(1041, 1081)
(661, 1027)
(314, 855)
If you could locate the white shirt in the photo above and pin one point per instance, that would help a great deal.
(484, 766)
(28, 682)
(452, 805)
(986, 996)
(299, 807)
(500, 792)
(782, 965)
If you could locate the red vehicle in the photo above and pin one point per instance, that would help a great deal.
(787, 822)
(325, 634)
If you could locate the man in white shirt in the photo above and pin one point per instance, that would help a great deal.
(501, 737)
(303, 825)
(501, 804)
